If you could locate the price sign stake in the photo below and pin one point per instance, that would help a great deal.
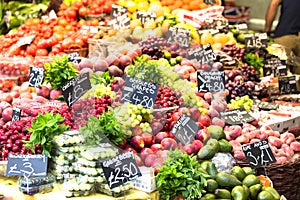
(139, 92)
(210, 81)
(120, 169)
(16, 114)
(185, 129)
(76, 88)
(258, 154)
(27, 165)
(36, 76)
(237, 116)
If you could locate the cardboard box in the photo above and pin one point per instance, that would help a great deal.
(146, 182)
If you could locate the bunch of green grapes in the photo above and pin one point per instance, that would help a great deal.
(239, 102)
(100, 90)
(130, 115)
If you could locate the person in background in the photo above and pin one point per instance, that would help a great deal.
(287, 32)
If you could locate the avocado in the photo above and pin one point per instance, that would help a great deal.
(222, 194)
(216, 132)
(212, 185)
(238, 193)
(250, 180)
(273, 191)
(225, 146)
(227, 180)
(254, 190)
(249, 170)
(212, 170)
(208, 196)
(209, 150)
(238, 172)
(265, 195)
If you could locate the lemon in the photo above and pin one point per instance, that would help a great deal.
(122, 3)
(143, 5)
(206, 38)
(131, 6)
(135, 23)
(157, 9)
(155, 2)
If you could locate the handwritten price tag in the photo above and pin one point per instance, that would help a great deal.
(120, 22)
(139, 92)
(275, 67)
(287, 85)
(16, 114)
(117, 11)
(76, 88)
(120, 169)
(180, 35)
(36, 76)
(237, 116)
(210, 81)
(185, 129)
(202, 54)
(27, 165)
(256, 40)
(258, 154)
(74, 58)
(210, 2)
(144, 16)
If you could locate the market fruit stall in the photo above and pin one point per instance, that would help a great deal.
(142, 100)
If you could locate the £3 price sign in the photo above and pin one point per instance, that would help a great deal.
(36, 76)
(27, 165)
(258, 154)
(76, 88)
(185, 129)
(139, 92)
(210, 81)
(120, 169)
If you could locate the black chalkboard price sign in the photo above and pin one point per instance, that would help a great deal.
(274, 67)
(237, 116)
(203, 54)
(16, 114)
(144, 16)
(76, 88)
(212, 81)
(185, 129)
(287, 85)
(210, 2)
(139, 92)
(117, 11)
(180, 35)
(74, 58)
(256, 40)
(36, 76)
(259, 154)
(120, 169)
(27, 165)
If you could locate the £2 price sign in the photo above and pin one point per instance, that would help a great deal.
(139, 92)
(237, 116)
(185, 129)
(203, 54)
(76, 88)
(74, 58)
(27, 165)
(36, 76)
(210, 81)
(258, 154)
(120, 169)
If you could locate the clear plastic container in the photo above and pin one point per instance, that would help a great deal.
(8, 82)
(15, 66)
(34, 185)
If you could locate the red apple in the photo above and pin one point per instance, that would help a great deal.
(203, 135)
(156, 127)
(197, 144)
(195, 114)
(137, 130)
(158, 162)
(204, 120)
(148, 138)
(124, 61)
(132, 54)
(138, 160)
(100, 65)
(7, 114)
(156, 147)
(137, 142)
(55, 94)
(145, 152)
(162, 154)
(160, 136)
(189, 149)
(43, 91)
(112, 60)
(7, 97)
(149, 160)
(168, 143)
(129, 148)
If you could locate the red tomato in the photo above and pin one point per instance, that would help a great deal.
(79, 42)
(100, 2)
(85, 2)
(82, 11)
(106, 8)
(77, 4)
(42, 44)
(41, 52)
(98, 10)
(71, 14)
(31, 49)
